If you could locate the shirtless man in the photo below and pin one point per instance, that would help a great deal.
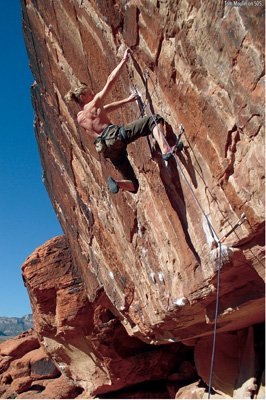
(112, 140)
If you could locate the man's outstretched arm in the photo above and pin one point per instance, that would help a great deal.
(117, 104)
(112, 77)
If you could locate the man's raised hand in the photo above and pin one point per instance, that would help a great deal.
(133, 97)
(126, 54)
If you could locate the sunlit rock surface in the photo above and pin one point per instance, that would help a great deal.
(151, 254)
(86, 341)
(27, 372)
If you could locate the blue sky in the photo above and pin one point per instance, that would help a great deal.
(26, 215)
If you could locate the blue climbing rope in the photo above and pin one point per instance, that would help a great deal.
(215, 236)
(215, 318)
(143, 106)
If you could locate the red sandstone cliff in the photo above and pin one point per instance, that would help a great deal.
(27, 372)
(147, 258)
(86, 341)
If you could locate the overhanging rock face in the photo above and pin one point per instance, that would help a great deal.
(86, 341)
(151, 252)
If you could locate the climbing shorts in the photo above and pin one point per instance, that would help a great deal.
(111, 143)
(114, 139)
(141, 127)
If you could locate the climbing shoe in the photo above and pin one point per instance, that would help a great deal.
(177, 147)
(167, 156)
(112, 185)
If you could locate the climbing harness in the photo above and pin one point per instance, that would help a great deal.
(101, 141)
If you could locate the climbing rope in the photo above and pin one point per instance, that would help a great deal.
(215, 318)
(212, 230)
(142, 106)
(146, 75)
(215, 237)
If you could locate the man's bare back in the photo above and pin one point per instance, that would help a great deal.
(93, 118)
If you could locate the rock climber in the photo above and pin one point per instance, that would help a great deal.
(112, 140)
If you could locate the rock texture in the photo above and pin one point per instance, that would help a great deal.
(238, 361)
(149, 257)
(86, 340)
(27, 372)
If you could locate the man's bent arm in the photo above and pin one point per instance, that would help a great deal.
(112, 77)
(117, 104)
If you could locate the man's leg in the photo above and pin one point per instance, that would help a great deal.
(116, 185)
(145, 126)
(130, 182)
(158, 133)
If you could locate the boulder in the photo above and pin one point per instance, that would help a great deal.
(19, 346)
(87, 341)
(28, 372)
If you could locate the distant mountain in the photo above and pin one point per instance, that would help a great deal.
(13, 326)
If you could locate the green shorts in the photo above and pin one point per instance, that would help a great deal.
(114, 139)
